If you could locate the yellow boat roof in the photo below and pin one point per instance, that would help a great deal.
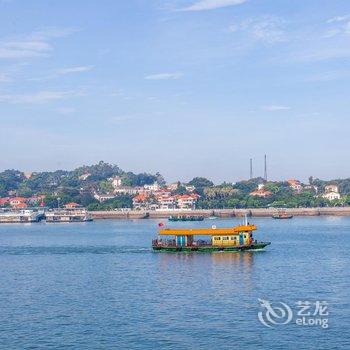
(212, 231)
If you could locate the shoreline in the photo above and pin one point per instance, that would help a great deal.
(220, 213)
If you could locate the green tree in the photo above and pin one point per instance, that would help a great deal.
(106, 186)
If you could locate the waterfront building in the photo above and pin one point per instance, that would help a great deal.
(140, 201)
(331, 192)
(144, 201)
(186, 201)
(167, 202)
(15, 201)
(4, 201)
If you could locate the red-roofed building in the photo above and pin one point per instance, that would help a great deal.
(295, 185)
(20, 206)
(260, 193)
(36, 199)
(167, 202)
(14, 201)
(4, 201)
(144, 201)
(71, 205)
(186, 201)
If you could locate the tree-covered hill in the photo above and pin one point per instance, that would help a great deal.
(75, 185)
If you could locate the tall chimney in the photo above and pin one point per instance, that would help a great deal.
(265, 169)
(251, 169)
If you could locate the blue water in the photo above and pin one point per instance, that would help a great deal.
(99, 286)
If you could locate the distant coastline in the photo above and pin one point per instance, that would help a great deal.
(220, 213)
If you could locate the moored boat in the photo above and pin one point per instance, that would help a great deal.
(282, 214)
(21, 216)
(68, 215)
(186, 218)
(238, 238)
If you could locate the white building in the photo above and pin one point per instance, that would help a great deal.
(295, 185)
(260, 187)
(331, 192)
(84, 176)
(129, 190)
(186, 201)
(116, 181)
(103, 197)
(190, 188)
(167, 202)
(173, 187)
(152, 188)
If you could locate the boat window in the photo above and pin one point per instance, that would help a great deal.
(217, 238)
(225, 238)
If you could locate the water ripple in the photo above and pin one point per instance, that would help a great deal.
(63, 250)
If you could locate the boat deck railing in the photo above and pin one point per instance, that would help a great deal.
(172, 243)
(198, 243)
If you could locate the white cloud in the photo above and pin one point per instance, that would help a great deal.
(38, 97)
(339, 26)
(274, 108)
(35, 44)
(122, 118)
(4, 78)
(266, 29)
(78, 69)
(66, 110)
(24, 49)
(164, 76)
(203, 5)
(64, 71)
(339, 19)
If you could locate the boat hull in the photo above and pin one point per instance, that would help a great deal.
(286, 217)
(200, 218)
(211, 249)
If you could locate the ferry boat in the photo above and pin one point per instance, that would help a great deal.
(21, 216)
(238, 238)
(68, 215)
(186, 218)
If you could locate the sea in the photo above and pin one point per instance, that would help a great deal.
(99, 285)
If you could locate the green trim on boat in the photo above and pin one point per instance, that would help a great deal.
(211, 249)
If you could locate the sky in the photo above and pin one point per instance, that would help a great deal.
(184, 87)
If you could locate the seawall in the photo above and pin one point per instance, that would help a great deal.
(223, 213)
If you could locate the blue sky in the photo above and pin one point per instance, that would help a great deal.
(183, 87)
